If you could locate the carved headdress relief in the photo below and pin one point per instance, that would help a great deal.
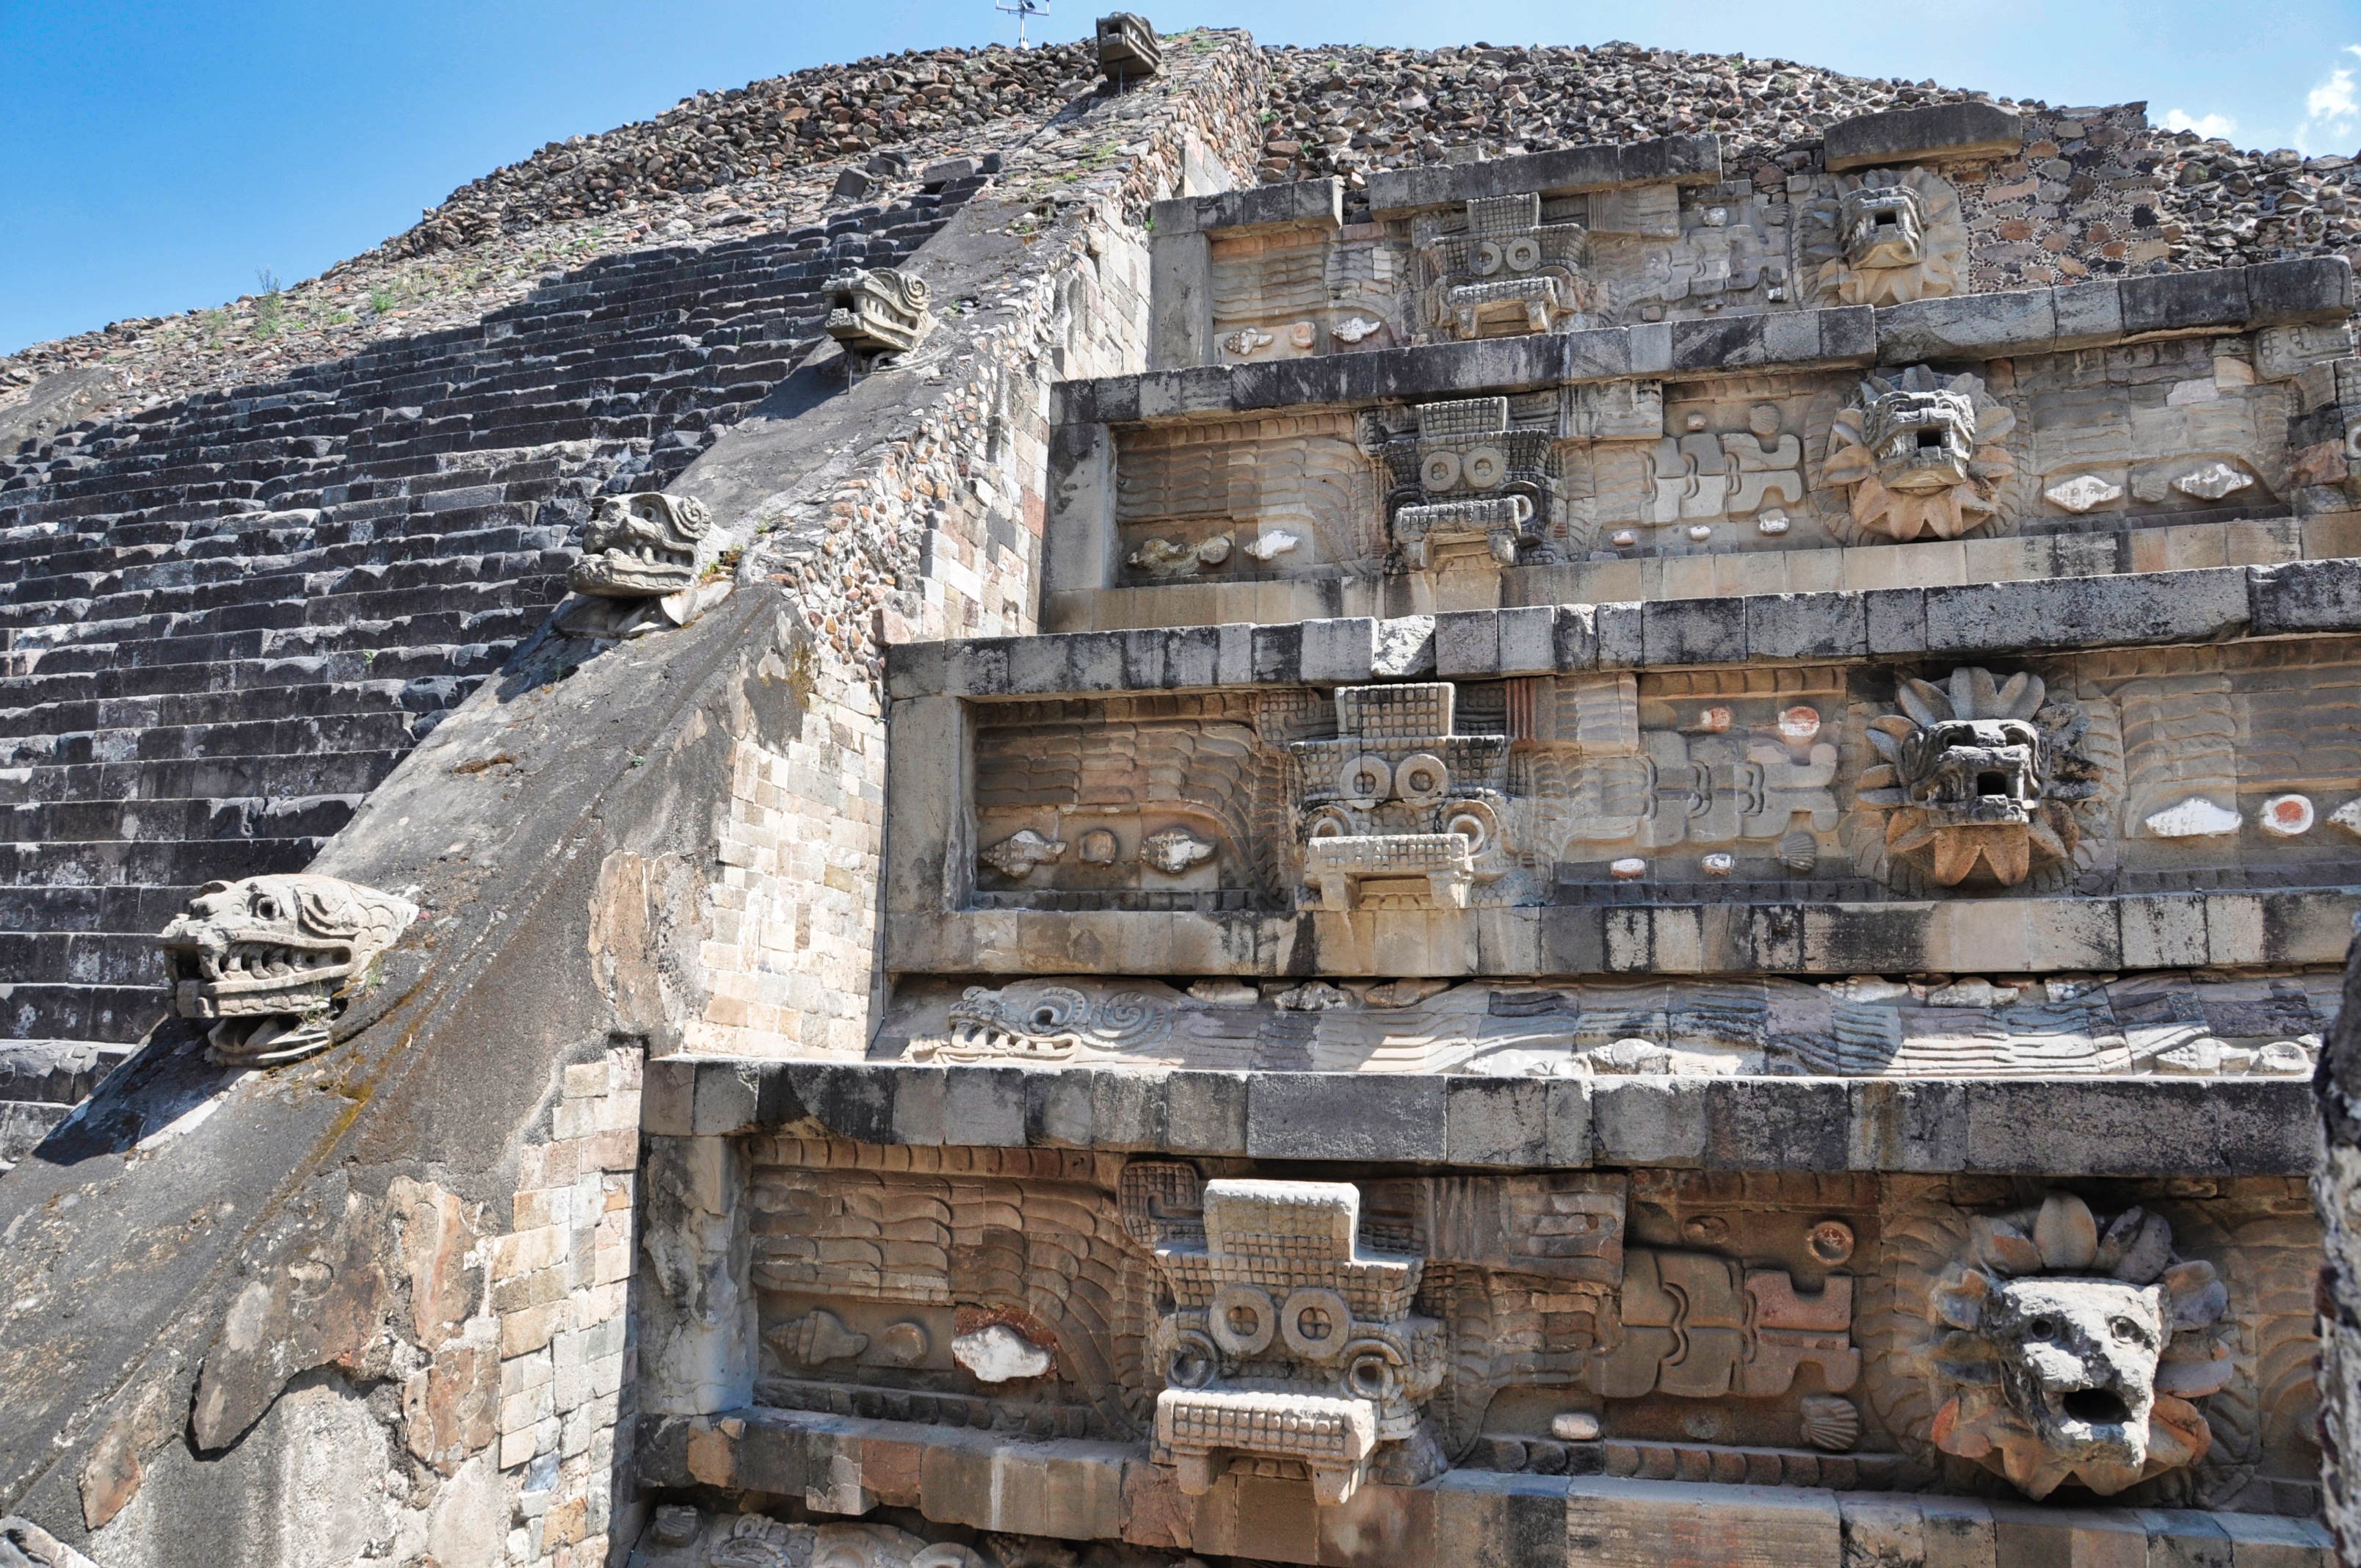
(2059, 1351)
(1288, 1339)
(1922, 456)
(1979, 774)
(270, 957)
(1885, 237)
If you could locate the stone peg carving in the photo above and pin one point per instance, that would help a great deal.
(267, 959)
(1885, 237)
(1922, 454)
(1174, 850)
(24, 1544)
(641, 546)
(876, 310)
(1128, 46)
(1016, 856)
(1501, 270)
(1031, 1021)
(2063, 1352)
(1978, 774)
(1288, 1339)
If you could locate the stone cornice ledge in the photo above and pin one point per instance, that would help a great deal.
(2217, 930)
(2029, 617)
(1082, 1490)
(1967, 327)
(2052, 1126)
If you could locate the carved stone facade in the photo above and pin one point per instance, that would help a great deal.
(1665, 890)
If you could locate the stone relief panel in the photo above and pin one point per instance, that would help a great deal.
(271, 961)
(1233, 500)
(2146, 1341)
(2133, 772)
(2160, 1023)
(2151, 1346)
(1293, 293)
(1458, 492)
(1883, 237)
(1920, 456)
(1496, 267)
(1502, 266)
(2169, 432)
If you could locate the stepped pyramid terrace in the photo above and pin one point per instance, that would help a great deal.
(1161, 803)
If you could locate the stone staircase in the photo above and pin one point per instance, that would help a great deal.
(223, 621)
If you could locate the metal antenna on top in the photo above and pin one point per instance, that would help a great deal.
(1021, 10)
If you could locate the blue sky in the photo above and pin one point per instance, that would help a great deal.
(161, 154)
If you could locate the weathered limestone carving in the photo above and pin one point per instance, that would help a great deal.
(1979, 773)
(1190, 501)
(2061, 1352)
(1699, 477)
(1398, 811)
(641, 546)
(1470, 486)
(1701, 1326)
(2168, 1024)
(1037, 1021)
(1922, 454)
(1174, 850)
(1288, 1339)
(270, 959)
(876, 311)
(1883, 237)
(1128, 46)
(1496, 267)
(1016, 856)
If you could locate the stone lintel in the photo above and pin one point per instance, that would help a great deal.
(2032, 616)
(1965, 328)
(2015, 936)
(1686, 160)
(2060, 1127)
(1080, 1490)
(1304, 203)
(1938, 131)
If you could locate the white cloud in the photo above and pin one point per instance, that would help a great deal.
(2332, 112)
(2208, 125)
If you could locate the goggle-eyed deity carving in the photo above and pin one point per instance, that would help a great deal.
(270, 958)
(1922, 456)
(1288, 1338)
(1976, 773)
(1884, 237)
(1501, 270)
(641, 546)
(1468, 486)
(1396, 811)
(2061, 1351)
